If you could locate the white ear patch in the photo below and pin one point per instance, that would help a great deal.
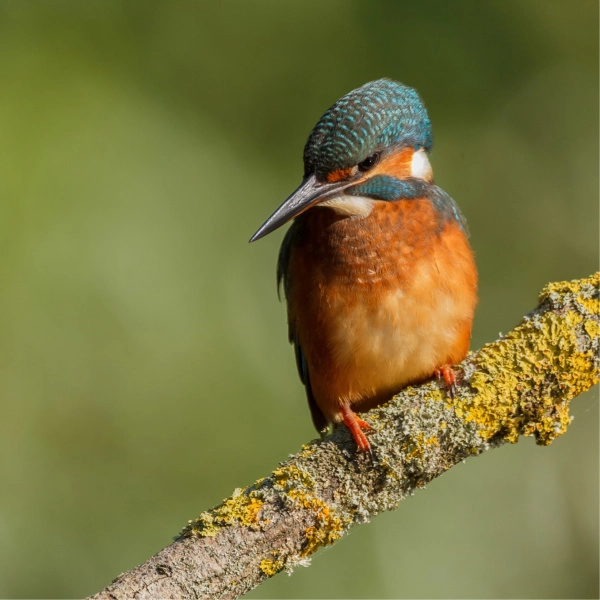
(351, 206)
(420, 166)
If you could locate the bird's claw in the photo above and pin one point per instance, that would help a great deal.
(449, 377)
(356, 425)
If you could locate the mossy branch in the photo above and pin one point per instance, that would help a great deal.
(519, 385)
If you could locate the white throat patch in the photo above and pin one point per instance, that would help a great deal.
(350, 206)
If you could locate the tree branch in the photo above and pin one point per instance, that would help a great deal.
(519, 385)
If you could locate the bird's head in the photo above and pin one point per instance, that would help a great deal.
(363, 149)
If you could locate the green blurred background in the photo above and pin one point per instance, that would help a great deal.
(144, 364)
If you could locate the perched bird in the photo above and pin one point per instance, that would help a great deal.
(378, 274)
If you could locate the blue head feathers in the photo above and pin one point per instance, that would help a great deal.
(369, 119)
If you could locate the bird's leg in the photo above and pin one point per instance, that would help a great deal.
(446, 372)
(356, 426)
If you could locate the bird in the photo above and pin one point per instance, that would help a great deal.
(378, 274)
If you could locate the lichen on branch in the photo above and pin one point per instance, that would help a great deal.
(521, 384)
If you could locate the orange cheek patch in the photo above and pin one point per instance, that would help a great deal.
(338, 175)
(397, 165)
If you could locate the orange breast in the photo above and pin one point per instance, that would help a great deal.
(379, 302)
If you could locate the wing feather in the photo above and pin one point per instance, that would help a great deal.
(283, 280)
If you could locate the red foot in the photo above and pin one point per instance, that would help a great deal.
(447, 373)
(356, 426)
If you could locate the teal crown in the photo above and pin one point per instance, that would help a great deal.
(372, 118)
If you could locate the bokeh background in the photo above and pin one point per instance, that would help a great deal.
(144, 366)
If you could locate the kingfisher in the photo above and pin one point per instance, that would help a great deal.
(377, 271)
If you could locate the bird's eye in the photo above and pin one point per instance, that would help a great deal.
(369, 162)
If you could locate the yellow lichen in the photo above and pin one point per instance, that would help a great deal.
(592, 328)
(574, 287)
(244, 506)
(270, 567)
(411, 392)
(591, 305)
(510, 370)
(417, 445)
(328, 528)
(307, 450)
(291, 476)
(295, 485)
(241, 508)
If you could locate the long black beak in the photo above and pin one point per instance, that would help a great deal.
(308, 194)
